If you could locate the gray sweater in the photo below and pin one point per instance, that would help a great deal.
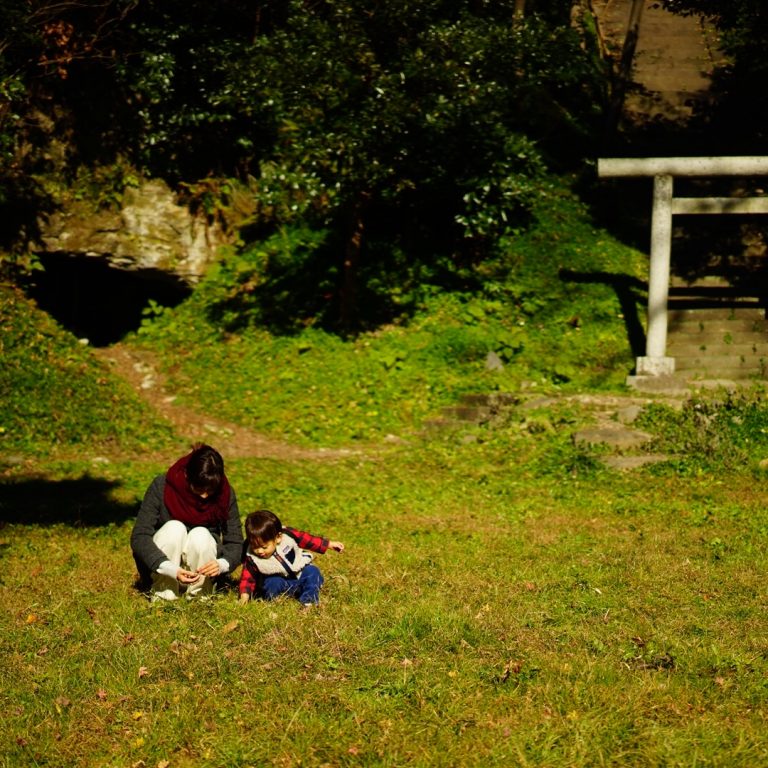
(153, 514)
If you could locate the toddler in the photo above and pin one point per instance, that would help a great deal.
(277, 561)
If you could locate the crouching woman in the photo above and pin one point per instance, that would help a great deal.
(188, 532)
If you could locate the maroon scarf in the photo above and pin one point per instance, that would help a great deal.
(188, 507)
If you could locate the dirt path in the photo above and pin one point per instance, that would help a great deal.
(139, 369)
(607, 417)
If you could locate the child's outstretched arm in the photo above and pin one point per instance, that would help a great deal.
(311, 542)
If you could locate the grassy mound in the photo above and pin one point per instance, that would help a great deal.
(557, 308)
(55, 394)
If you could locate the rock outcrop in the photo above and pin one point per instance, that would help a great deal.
(151, 231)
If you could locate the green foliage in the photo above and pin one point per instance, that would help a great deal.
(414, 132)
(380, 113)
(500, 202)
(551, 307)
(269, 283)
(729, 432)
(18, 37)
(54, 395)
(290, 280)
(104, 185)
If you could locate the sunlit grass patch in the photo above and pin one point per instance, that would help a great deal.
(515, 621)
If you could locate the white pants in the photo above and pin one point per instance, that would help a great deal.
(189, 550)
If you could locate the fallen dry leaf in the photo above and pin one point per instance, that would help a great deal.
(510, 668)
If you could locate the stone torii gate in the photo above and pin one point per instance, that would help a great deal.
(665, 205)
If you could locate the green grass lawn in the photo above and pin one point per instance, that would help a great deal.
(504, 600)
(484, 613)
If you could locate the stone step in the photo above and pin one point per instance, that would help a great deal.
(471, 413)
(489, 400)
(716, 341)
(718, 349)
(734, 331)
(737, 376)
(715, 297)
(699, 283)
(683, 314)
(711, 356)
(722, 367)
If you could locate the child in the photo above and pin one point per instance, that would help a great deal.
(276, 562)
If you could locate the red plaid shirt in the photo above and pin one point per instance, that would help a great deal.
(250, 579)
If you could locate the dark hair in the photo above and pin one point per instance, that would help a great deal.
(205, 469)
(262, 525)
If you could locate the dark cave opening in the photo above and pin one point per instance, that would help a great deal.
(96, 301)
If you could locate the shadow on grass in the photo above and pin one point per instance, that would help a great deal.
(631, 294)
(83, 502)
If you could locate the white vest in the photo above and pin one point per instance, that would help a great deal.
(287, 550)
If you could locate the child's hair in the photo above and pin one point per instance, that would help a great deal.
(262, 525)
(205, 469)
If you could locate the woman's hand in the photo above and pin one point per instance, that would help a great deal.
(210, 569)
(336, 545)
(184, 576)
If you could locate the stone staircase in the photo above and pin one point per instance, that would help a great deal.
(606, 420)
(716, 332)
(472, 409)
(673, 63)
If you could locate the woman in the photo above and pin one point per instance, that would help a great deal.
(188, 530)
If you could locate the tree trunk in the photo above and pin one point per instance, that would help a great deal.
(348, 306)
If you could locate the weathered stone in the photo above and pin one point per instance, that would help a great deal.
(629, 414)
(615, 437)
(633, 462)
(468, 413)
(538, 402)
(493, 362)
(150, 232)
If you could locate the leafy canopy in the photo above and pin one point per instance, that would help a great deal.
(413, 134)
